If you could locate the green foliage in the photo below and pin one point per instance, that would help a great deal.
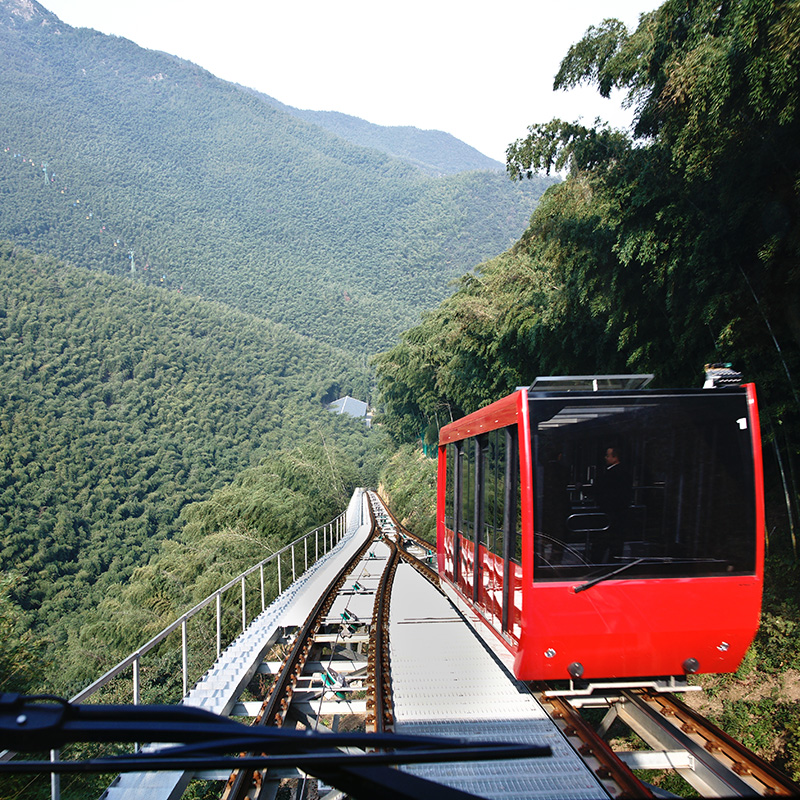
(474, 348)
(663, 250)
(285, 495)
(667, 781)
(120, 405)
(697, 216)
(265, 508)
(777, 644)
(408, 481)
(22, 655)
(793, 749)
(754, 722)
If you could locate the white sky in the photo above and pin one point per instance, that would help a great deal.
(480, 72)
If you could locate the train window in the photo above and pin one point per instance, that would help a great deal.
(451, 454)
(467, 488)
(516, 552)
(660, 484)
(513, 517)
(494, 491)
(479, 467)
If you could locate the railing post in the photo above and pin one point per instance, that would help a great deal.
(244, 609)
(185, 657)
(137, 696)
(219, 624)
(134, 660)
(136, 686)
(55, 778)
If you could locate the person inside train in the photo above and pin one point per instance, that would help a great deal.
(612, 493)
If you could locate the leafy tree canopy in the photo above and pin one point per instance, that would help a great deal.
(667, 247)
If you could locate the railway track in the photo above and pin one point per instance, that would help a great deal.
(713, 763)
(414, 550)
(328, 650)
(334, 654)
(336, 671)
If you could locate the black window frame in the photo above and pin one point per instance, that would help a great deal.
(708, 525)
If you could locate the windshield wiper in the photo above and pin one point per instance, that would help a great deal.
(41, 723)
(649, 560)
(623, 568)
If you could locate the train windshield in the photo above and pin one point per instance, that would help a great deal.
(660, 484)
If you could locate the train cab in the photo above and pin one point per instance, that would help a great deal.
(598, 530)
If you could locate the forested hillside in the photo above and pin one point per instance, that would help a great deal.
(128, 160)
(121, 404)
(435, 152)
(162, 417)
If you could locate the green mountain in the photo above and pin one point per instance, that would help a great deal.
(121, 404)
(434, 152)
(229, 266)
(124, 159)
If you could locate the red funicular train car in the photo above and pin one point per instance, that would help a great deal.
(597, 530)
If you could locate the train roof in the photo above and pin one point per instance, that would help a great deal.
(589, 383)
(592, 390)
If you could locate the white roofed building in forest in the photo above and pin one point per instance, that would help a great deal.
(352, 407)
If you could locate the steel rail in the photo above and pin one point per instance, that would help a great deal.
(593, 747)
(431, 548)
(718, 748)
(420, 566)
(710, 760)
(378, 665)
(276, 705)
(424, 569)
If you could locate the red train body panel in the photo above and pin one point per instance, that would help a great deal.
(573, 588)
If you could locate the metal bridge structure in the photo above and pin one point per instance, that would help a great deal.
(359, 636)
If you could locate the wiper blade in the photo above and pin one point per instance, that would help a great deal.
(42, 723)
(649, 560)
(588, 585)
(313, 763)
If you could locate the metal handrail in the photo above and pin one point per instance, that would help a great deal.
(331, 533)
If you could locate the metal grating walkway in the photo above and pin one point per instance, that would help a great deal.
(445, 682)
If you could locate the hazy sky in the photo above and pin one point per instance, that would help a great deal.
(480, 72)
